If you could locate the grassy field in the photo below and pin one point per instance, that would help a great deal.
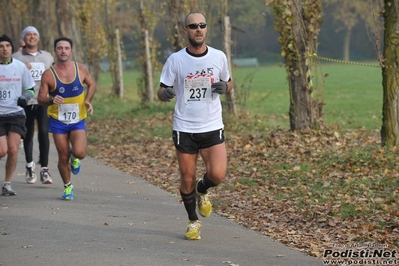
(352, 95)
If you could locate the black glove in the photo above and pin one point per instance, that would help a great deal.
(168, 94)
(219, 87)
(22, 101)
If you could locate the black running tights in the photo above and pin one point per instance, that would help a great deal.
(39, 113)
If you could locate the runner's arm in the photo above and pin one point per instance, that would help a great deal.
(43, 97)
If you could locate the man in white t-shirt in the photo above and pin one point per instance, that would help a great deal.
(16, 89)
(37, 61)
(196, 76)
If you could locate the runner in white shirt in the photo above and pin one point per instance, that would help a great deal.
(197, 75)
(37, 61)
(16, 89)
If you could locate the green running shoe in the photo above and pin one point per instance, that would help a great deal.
(68, 193)
(75, 166)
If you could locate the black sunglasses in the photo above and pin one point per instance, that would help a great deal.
(194, 26)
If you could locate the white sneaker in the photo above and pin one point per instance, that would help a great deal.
(7, 190)
(45, 177)
(30, 175)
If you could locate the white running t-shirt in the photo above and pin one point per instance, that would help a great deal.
(197, 108)
(14, 80)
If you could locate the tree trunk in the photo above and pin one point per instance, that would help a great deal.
(63, 17)
(231, 99)
(175, 12)
(148, 63)
(304, 111)
(68, 28)
(148, 49)
(9, 25)
(390, 76)
(119, 73)
(347, 43)
(301, 116)
(112, 52)
(299, 25)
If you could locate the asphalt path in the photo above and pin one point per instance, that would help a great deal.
(119, 219)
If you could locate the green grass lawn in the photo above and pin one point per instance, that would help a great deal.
(352, 95)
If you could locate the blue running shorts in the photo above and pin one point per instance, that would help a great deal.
(57, 127)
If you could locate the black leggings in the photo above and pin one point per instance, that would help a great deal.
(39, 113)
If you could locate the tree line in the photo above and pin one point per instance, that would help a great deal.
(152, 25)
(346, 25)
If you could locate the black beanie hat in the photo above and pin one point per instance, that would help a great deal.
(5, 38)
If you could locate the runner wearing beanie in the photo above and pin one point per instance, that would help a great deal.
(37, 61)
(5, 38)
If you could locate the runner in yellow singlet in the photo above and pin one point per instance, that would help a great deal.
(63, 92)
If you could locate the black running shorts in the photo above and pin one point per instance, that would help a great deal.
(13, 123)
(193, 142)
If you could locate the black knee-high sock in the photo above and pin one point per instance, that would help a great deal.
(190, 204)
(204, 184)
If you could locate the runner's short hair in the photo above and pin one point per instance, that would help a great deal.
(63, 39)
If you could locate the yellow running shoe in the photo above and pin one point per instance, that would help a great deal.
(204, 205)
(193, 230)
